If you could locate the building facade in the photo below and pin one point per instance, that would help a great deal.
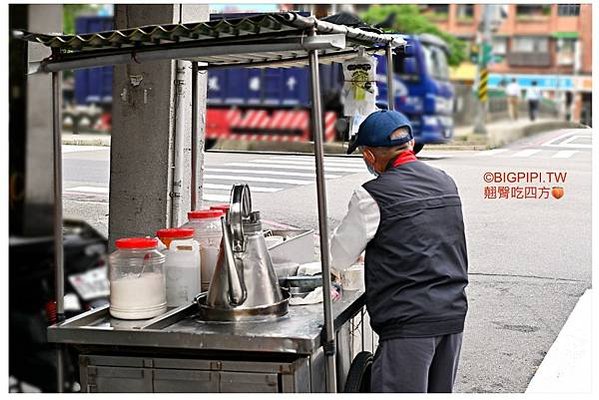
(547, 43)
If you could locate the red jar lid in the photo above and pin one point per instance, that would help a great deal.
(175, 233)
(136, 243)
(202, 214)
(223, 207)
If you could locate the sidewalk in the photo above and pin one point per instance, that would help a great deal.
(86, 139)
(498, 134)
(566, 368)
(503, 132)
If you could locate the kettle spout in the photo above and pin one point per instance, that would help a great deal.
(237, 291)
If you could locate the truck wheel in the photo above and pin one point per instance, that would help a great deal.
(418, 147)
(209, 143)
(358, 377)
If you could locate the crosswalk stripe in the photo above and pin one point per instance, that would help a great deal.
(66, 148)
(327, 160)
(216, 197)
(256, 179)
(311, 162)
(257, 189)
(299, 167)
(564, 154)
(88, 189)
(491, 152)
(264, 172)
(526, 153)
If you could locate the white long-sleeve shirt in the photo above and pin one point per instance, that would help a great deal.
(357, 228)
(533, 93)
(512, 89)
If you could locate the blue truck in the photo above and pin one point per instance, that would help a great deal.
(272, 104)
(93, 85)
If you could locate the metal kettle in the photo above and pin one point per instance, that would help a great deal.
(244, 276)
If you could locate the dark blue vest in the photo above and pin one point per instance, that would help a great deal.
(416, 266)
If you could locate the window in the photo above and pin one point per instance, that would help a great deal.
(532, 10)
(406, 68)
(436, 62)
(568, 10)
(465, 12)
(530, 44)
(499, 45)
(566, 50)
(438, 9)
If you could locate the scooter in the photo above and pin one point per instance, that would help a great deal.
(32, 305)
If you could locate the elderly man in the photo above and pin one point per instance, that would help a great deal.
(409, 221)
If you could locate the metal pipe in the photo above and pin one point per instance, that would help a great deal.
(179, 144)
(194, 132)
(58, 237)
(293, 62)
(200, 135)
(317, 130)
(390, 82)
(362, 329)
(142, 55)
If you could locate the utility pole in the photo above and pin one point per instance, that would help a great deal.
(484, 57)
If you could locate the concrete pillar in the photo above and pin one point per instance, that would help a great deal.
(143, 135)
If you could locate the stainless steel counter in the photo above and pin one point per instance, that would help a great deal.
(298, 332)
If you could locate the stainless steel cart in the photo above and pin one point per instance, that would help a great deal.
(178, 352)
(266, 40)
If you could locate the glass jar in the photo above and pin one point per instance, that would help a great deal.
(137, 280)
(208, 233)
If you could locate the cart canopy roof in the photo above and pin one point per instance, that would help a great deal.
(263, 40)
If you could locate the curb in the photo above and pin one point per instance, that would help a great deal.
(83, 140)
(294, 147)
(500, 136)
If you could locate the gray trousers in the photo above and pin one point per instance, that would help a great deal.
(416, 365)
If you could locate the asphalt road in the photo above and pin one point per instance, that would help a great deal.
(529, 259)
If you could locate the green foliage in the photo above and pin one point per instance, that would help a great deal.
(409, 20)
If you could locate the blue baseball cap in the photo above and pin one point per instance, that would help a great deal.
(376, 130)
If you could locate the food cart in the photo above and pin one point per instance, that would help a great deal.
(307, 350)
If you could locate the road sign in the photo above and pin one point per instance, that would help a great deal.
(487, 53)
(483, 85)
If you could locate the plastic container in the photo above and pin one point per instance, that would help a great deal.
(166, 236)
(353, 277)
(208, 233)
(137, 279)
(183, 276)
(272, 241)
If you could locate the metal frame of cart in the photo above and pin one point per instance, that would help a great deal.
(265, 40)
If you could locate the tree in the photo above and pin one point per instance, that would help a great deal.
(409, 20)
(70, 13)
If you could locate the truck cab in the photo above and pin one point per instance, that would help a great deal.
(422, 88)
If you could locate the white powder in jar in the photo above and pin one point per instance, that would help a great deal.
(133, 297)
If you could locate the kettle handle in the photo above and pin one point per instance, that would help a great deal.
(240, 207)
